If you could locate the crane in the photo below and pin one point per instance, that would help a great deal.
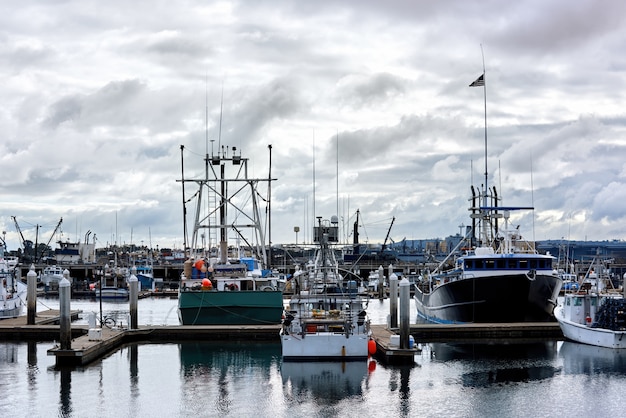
(388, 232)
(52, 235)
(19, 231)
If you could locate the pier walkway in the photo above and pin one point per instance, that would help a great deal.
(89, 345)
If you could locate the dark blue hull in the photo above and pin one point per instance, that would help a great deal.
(511, 298)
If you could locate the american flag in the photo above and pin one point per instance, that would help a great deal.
(480, 81)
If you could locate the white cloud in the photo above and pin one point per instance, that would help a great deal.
(98, 97)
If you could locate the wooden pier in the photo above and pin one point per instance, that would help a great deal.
(89, 345)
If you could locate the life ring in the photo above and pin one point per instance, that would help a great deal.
(233, 286)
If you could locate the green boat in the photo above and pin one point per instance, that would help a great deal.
(224, 282)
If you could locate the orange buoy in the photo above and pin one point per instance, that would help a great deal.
(199, 264)
(206, 284)
(371, 366)
(371, 347)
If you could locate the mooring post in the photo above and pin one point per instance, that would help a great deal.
(65, 323)
(31, 295)
(389, 272)
(393, 301)
(405, 326)
(133, 285)
(381, 282)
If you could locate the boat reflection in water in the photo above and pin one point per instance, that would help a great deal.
(592, 360)
(209, 357)
(504, 363)
(324, 381)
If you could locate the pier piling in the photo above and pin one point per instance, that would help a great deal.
(133, 285)
(393, 301)
(65, 320)
(405, 326)
(31, 295)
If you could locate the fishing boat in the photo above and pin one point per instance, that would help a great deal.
(224, 284)
(12, 290)
(501, 279)
(109, 286)
(595, 314)
(496, 275)
(51, 276)
(327, 319)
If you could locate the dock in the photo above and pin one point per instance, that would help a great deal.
(89, 345)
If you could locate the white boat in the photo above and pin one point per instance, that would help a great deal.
(111, 292)
(327, 319)
(373, 281)
(113, 275)
(12, 290)
(594, 315)
(51, 276)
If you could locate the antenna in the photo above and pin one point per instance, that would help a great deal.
(219, 138)
(314, 173)
(532, 192)
(337, 168)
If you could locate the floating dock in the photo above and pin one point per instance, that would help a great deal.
(89, 345)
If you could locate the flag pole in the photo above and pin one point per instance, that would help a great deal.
(485, 99)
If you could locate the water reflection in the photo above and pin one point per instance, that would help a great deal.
(328, 382)
(497, 364)
(217, 371)
(200, 357)
(591, 360)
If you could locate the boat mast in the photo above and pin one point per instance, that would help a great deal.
(269, 211)
(484, 213)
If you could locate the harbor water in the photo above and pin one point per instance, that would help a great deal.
(249, 379)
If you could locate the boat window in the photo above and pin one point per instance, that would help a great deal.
(490, 264)
(511, 264)
(500, 264)
(594, 302)
(532, 264)
(568, 301)
(578, 301)
(523, 264)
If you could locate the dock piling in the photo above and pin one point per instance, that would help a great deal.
(405, 326)
(65, 322)
(31, 295)
(393, 301)
(133, 285)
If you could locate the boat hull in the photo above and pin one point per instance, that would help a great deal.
(198, 307)
(324, 346)
(581, 333)
(13, 306)
(497, 298)
(12, 309)
(112, 294)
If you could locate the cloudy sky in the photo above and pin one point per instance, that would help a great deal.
(98, 97)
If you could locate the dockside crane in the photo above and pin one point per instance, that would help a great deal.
(19, 231)
(388, 232)
(51, 236)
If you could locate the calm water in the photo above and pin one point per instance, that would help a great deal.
(250, 379)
